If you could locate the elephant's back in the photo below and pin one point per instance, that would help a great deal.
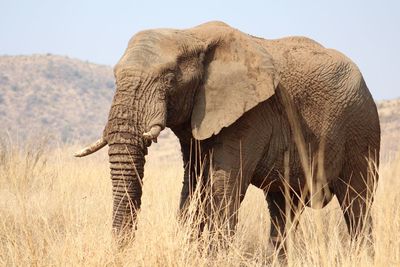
(330, 96)
(326, 89)
(322, 83)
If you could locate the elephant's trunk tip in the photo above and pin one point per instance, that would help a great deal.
(99, 144)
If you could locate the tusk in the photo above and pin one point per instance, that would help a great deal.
(153, 133)
(91, 148)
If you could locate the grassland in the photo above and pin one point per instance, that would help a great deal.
(55, 210)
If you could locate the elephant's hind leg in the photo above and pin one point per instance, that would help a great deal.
(354, 190)
(357, 181)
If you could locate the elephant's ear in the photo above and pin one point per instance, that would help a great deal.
(239, 74)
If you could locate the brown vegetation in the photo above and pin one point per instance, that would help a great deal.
(56, 210)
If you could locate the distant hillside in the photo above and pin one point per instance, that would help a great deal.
(65, 97)
(70, 99)
(389, 115)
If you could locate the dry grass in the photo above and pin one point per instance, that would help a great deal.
(56, 210)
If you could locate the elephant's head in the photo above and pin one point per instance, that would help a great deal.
(208, 75)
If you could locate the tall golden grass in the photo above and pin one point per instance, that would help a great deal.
(56, 210)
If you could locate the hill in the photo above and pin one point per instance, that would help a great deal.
(65, 97)
(69, 99)
(389, 115)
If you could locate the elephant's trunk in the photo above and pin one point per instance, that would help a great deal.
(126, 164)
(127, 149)
(136, 117)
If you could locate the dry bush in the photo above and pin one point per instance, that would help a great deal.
(56, 210)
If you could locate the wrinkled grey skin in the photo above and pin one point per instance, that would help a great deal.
(252, 102)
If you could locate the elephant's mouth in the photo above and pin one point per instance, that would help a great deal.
(153, 133)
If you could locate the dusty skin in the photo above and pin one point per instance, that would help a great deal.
(288, 116)
(258, 105)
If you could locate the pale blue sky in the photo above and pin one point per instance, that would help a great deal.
(98, 31)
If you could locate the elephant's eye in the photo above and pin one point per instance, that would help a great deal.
(169, 79)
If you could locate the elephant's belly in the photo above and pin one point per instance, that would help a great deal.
(273, 180)
(270, 174)
(270, 171)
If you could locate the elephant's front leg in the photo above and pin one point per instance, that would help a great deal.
(196, 166)
(189, 179)
(225, 192)
(188, 188)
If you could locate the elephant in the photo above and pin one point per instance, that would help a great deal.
(285, 115)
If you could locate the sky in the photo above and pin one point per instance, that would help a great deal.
(98, 31)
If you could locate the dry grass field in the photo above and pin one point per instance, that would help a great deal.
(55, 210)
